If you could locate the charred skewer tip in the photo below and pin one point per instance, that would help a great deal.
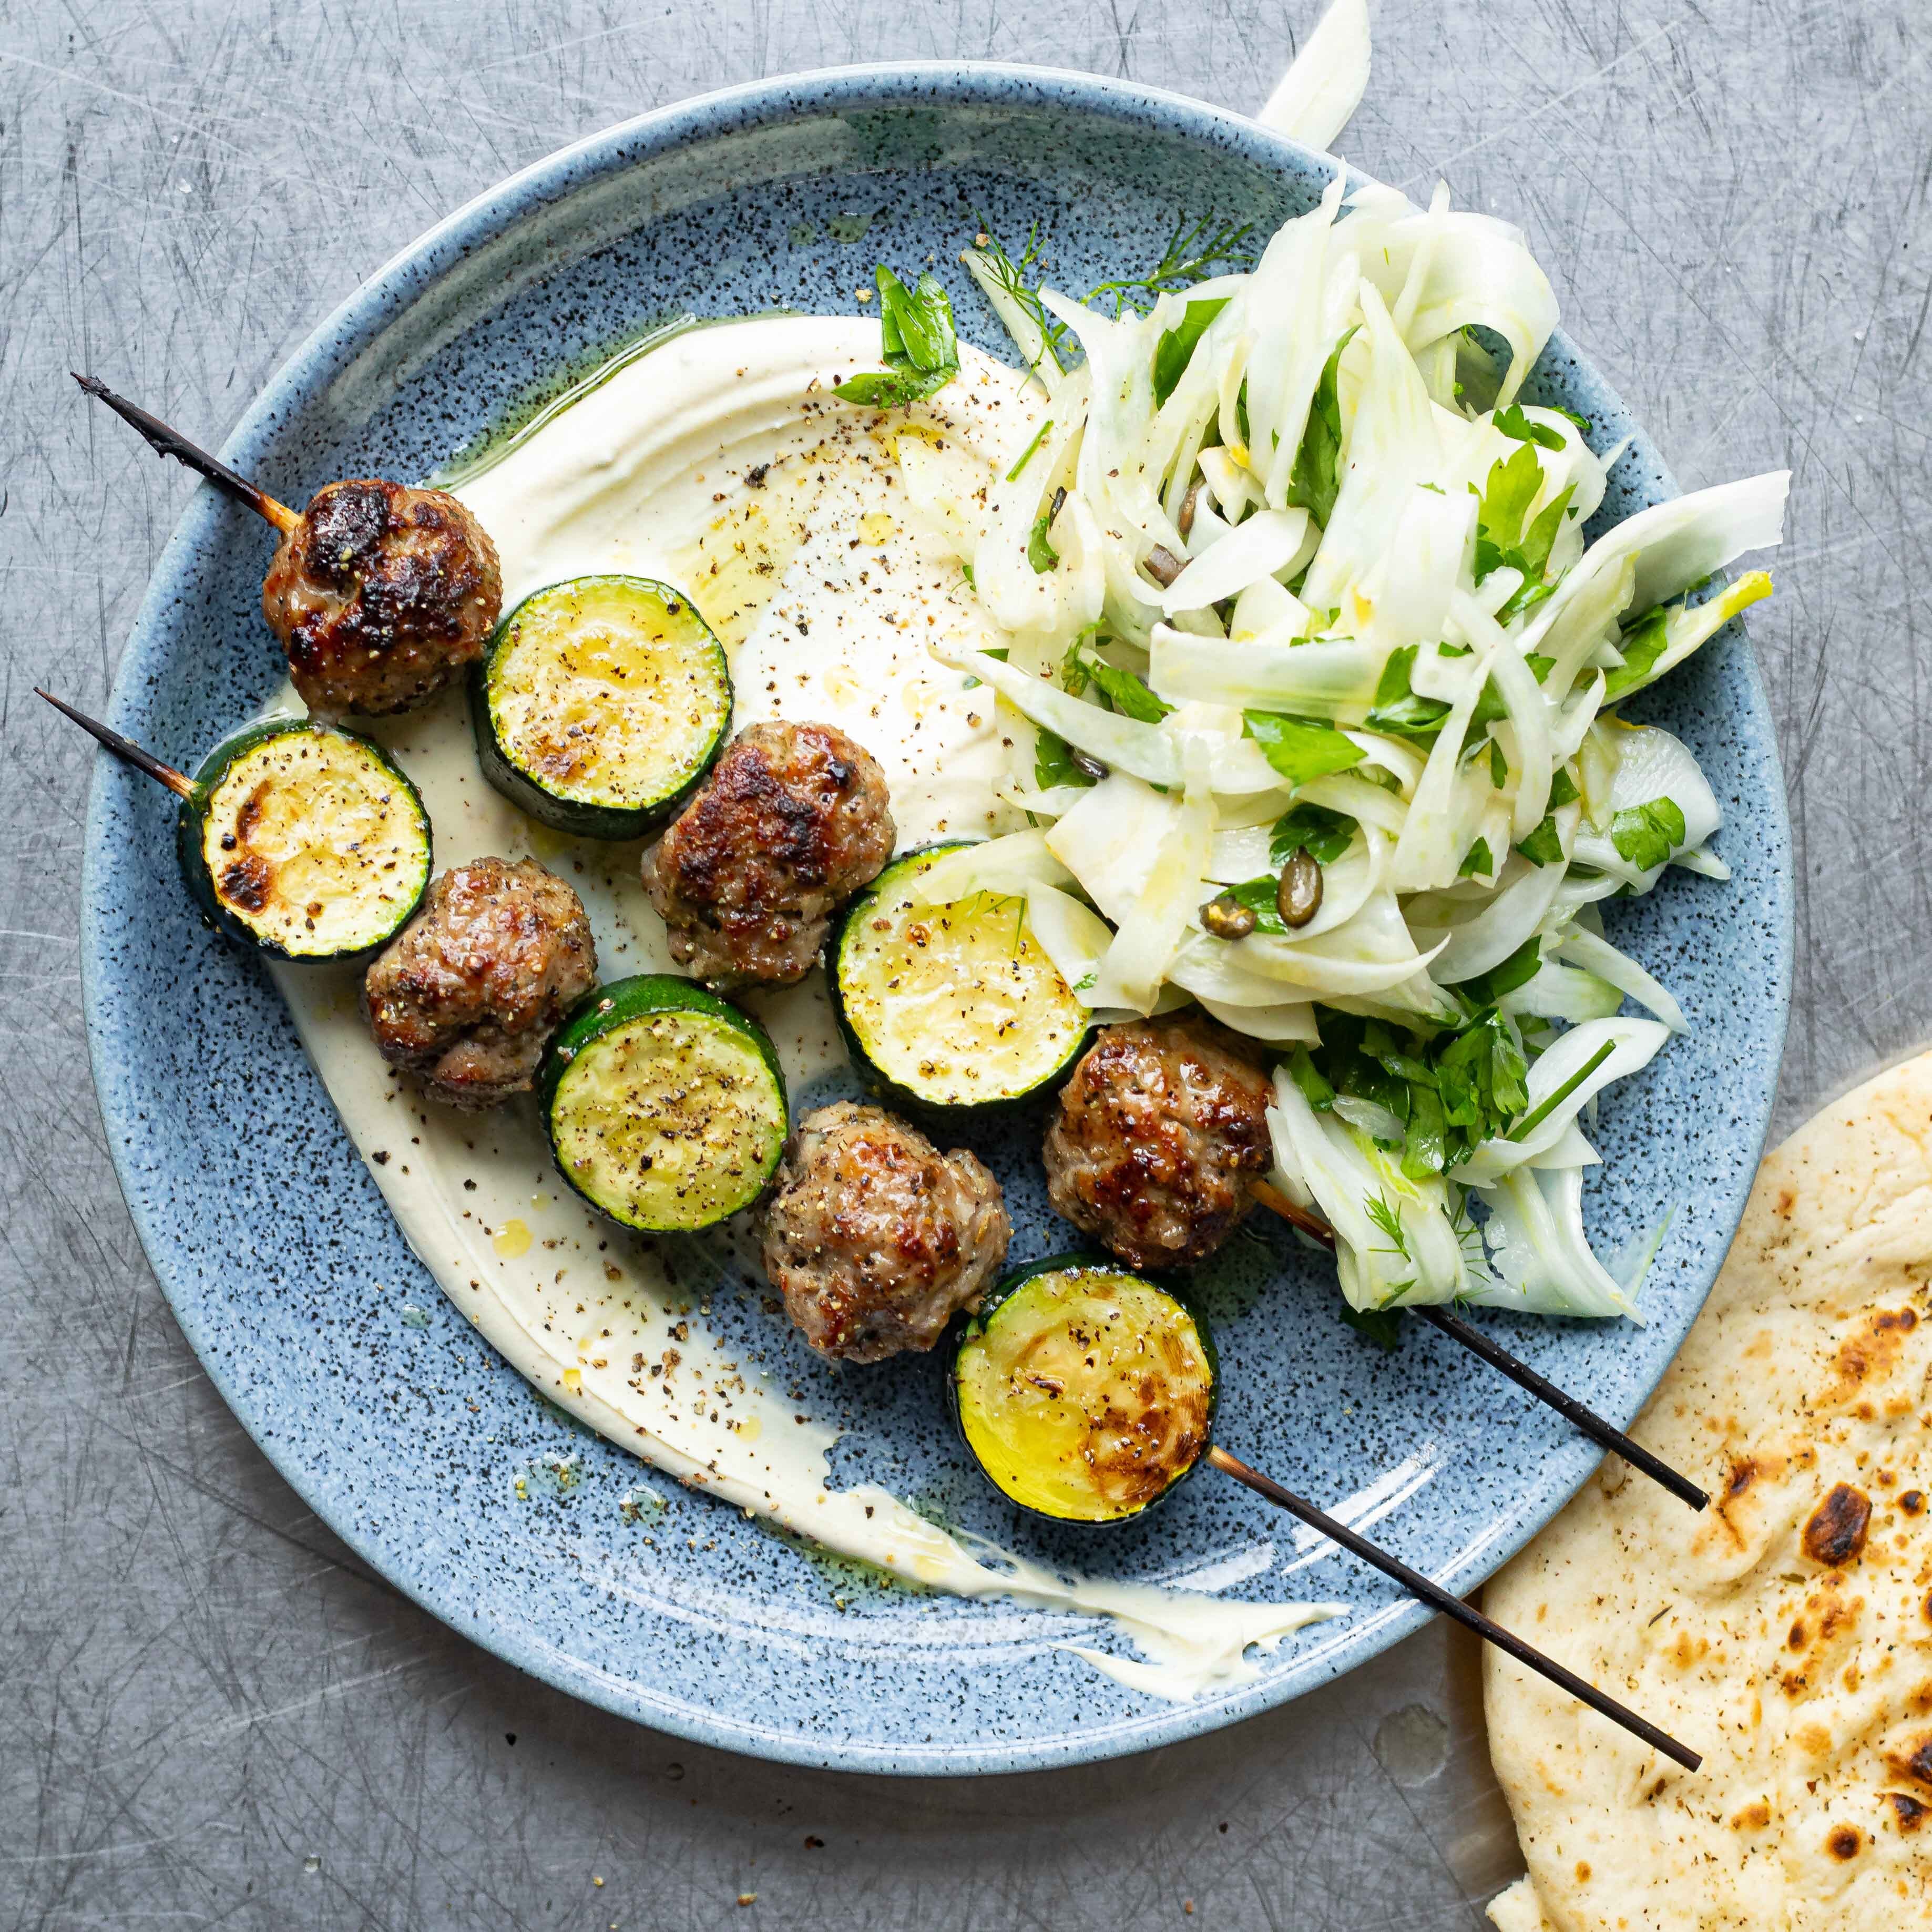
(1428, 1592)
(165, 441)
(1604, 1434)
(125, 749)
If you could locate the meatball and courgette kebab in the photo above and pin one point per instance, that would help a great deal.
(380, 593)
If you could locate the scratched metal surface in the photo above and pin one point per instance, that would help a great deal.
(209, 1711)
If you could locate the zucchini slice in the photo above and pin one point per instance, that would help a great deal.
(599, 705)
(950, 1008)
(305, 840)
(1085, 1393)
(664, 1105)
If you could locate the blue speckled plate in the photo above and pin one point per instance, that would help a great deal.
(379, 1404)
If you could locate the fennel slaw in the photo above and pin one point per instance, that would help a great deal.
(1291, 567)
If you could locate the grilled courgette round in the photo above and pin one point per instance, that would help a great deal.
(600, 704)
(664, 1105)
(305, 840)
(950, 1010)
(1086, 1393)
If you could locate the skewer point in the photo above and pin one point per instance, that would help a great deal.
(125, 749)
(165, 441)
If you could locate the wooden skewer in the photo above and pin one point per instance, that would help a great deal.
(125, 748)
(1566, 1406)
(1498, 1358)
(1433, 1593)
(1272, 1197)
(166, 441)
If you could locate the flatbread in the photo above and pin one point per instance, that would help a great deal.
(1519, 1910)
(1786, 1633)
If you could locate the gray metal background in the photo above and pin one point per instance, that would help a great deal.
(210, 1712)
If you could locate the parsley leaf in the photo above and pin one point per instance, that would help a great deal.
(1073, 675)
(1315, 1089)
(1396, 708)
(1378, 1069)
(1476, 861)
(1512, 422)
(1040, 552)
(1123, 691)
(1426, 1149)
(1562, 787)
(1258, 895)
(1002, 652)
(1643, 644)
(1482, 1077)
(1053, 764)
(1301, 749)
(1646, 835)
(1518, 970)
(1175, 349)
(1543, 846)
(1315, 481)
(1324, 835)
(921, 351)
(1490, 709)
(1450, 1090)
(1533, 555)
(1504, 502)
(1502, 540)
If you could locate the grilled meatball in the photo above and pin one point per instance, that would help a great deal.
(875, 1238)
(792, 819)
(468, 994)
(381, 595)
(1156, 1130)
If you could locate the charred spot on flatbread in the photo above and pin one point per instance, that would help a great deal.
(1909, 1813)
(1912, 1763)
(1874, 1350)
(1757, 1472)
(1835, 1535)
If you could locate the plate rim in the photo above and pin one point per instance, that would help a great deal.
(332, 345)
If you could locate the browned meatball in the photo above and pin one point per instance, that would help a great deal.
(468, 994)
(792, 819)
(1156, 1130)
(875, 1238)
(381, 595)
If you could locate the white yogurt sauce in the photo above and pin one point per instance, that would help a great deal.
(721, 462)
